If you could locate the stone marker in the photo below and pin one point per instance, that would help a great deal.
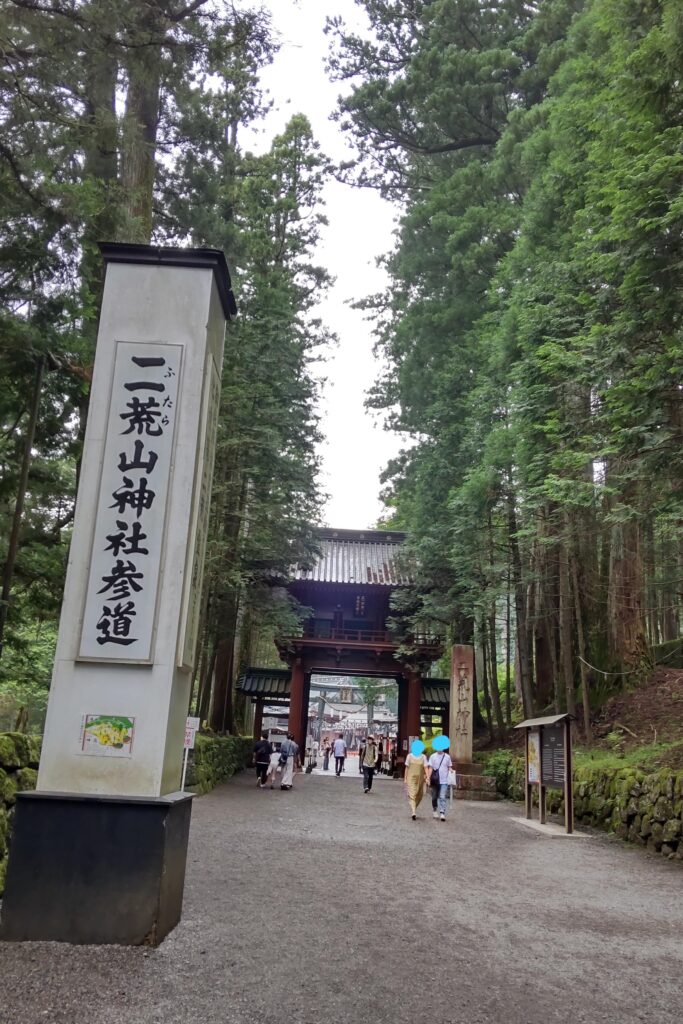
(472, 785)
(98, 853)
(461, 703)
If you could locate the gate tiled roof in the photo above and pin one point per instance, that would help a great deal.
(265, 682)
(274, 683)
(358, 556)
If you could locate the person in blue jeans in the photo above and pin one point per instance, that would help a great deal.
(439, 766)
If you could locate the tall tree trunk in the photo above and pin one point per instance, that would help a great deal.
(485, 679)
(520, 609)
(100, 164)
(628, 640)
(141, 124)
(566, 631)
(495, 692)
(650, 580)
(508, 655)
(18, 515)
(222, 719)
(669, 603)
(205, 687)
(585, 686)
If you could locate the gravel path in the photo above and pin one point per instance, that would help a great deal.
(325, 905)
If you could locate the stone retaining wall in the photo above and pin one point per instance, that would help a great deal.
(19, 756)
(643, 808)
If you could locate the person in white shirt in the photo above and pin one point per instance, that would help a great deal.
(439, 766)
(339, 749)
(273, 767)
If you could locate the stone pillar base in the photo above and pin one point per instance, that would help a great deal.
(472, 785)
(96, 869)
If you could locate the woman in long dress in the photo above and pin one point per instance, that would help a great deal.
(416, 776)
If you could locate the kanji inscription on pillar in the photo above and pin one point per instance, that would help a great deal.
(462, 702)
(130, 509)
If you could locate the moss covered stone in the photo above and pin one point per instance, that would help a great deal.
(663, 809)
(4, 831)
(35, 744)
(8, 754)
(8, 788)
(672, 830)
(27, 778)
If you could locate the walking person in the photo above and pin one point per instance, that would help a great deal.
(274, 767)
(369, 763)
(327, 750)
(416, 776)
(262, 752)
(339, 754)
(440, 765)
(289, 759)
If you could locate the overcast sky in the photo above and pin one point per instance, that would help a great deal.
(360, 229)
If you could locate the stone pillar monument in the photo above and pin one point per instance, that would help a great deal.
(472, 785)
(461, 703)
(99, 849)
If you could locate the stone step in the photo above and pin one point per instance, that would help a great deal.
(475, 794)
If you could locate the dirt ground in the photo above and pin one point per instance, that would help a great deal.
(326, 906)
(649, 714)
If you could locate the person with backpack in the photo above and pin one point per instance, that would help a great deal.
(369, 763)
(289, 756)
(439, 766)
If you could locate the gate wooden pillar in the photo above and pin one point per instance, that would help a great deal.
(402, 717)
(296, 701)
(304, 716)
(414, 688)
(258, 719)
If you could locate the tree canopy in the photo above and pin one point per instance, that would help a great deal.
(532, 325)
(126, 121)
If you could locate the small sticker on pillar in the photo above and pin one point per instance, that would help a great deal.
(107, 735)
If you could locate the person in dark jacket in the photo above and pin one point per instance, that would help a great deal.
(262, 752)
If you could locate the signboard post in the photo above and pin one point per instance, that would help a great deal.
(548, 763)
(191, 727)
(99, 849)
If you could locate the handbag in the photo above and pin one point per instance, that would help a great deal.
(435, 780)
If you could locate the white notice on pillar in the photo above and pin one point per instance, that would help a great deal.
(130, 513)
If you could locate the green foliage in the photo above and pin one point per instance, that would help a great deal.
(94, 98)
(215, 759)
(531, 328)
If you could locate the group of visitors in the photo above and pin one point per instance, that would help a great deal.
(271, 762)
(432, 773)
(421, 773)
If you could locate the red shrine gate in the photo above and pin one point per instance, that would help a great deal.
(349, 590)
